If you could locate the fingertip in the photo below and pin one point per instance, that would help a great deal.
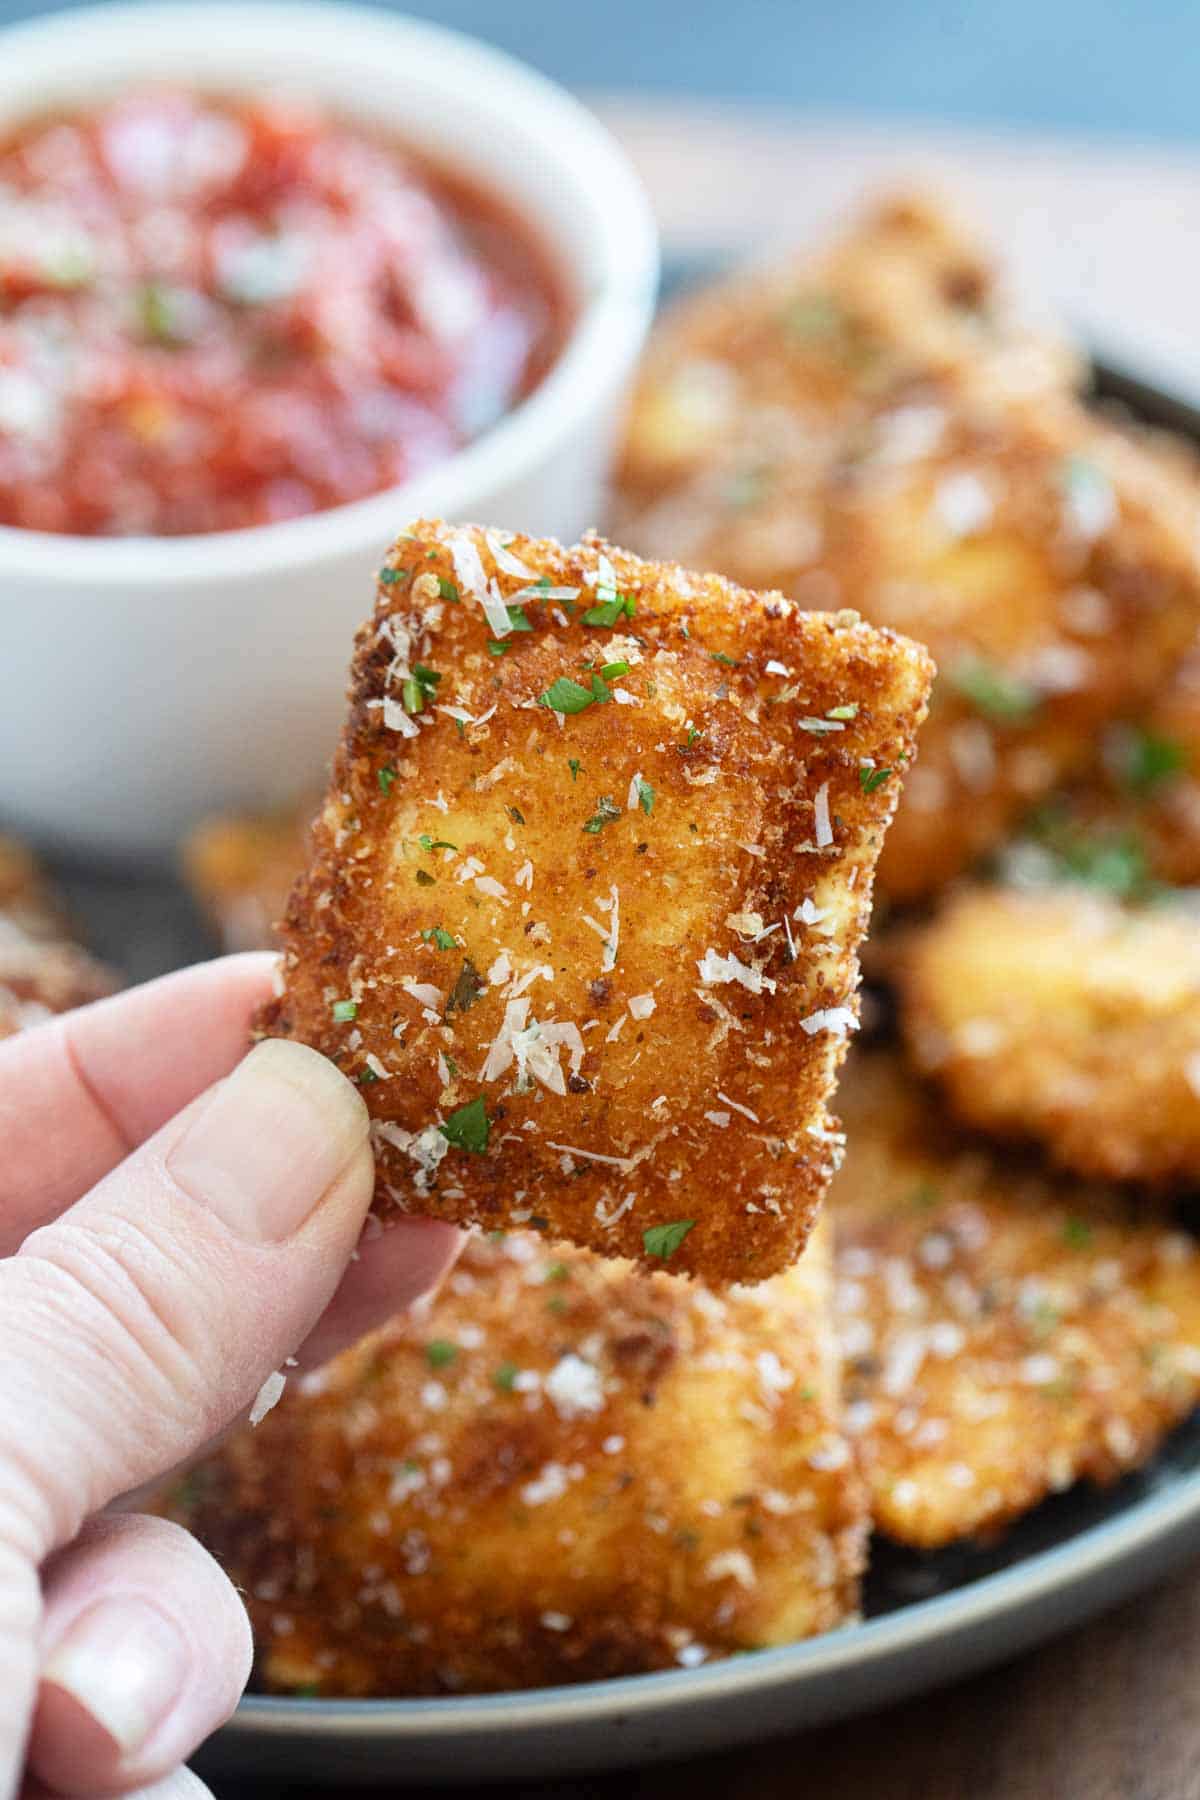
(284, 1135)
(395, 1266)
(146, 1648)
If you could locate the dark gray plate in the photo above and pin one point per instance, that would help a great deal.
(928, 1619)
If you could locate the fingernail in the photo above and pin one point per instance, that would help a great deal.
(126, 1664)
(272, 1141)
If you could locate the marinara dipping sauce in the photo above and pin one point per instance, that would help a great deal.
(218, 314)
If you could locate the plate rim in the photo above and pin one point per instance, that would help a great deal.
(1152, 1520)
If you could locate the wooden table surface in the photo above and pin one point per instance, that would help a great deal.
(1111, 1711)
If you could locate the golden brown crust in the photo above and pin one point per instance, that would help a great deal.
(1059, 1017)
(933, 469)
(905, 298)
(1004, 1334)
(241, 868)
(40, 977)
(563, 1470)
(1069, 603)
(625, 937)
(1141, 799)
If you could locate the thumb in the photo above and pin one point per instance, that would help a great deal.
(140, 1322)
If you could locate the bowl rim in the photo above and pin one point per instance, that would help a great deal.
(611, 323)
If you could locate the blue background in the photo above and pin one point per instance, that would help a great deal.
(1088, 65)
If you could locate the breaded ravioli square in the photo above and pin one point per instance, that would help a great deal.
(41, 971)
(757, 377)
(1135, 816)
(562, 1470)
(1050, 563)
(1005, 1333)
(1062, 1018)
(585, 897)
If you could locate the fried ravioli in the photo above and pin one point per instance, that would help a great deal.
(780, 362)
(1137, 811)
(1059, 1017)
(241, 869)
(1050, 565)
(41, 971)
(562, 1470)
(585, 897)
(1005, 1333)
(928, 464)
(43, 976)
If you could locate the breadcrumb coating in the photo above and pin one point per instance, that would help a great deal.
(560, 1470)
(585, 897)
(1062, 1018)
(41, 971)
(876, 428)
(1005, 1333)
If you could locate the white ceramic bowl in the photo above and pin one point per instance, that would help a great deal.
(148, 680)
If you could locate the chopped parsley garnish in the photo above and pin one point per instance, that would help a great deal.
(436, 935)
(446, 588)
(600, 691)
(343, 1011)
(611, 670)
(466, 989)
(164, 314)
(645, 794)
(1118, 864)
(517, 620)
(664, 1240)
(609, 611)
(365, 1077)
(1077, 1233)
(556, 1271)
(505, 1377)
(1115, 861)
(871, 779)
(1142, 760)
(692, 735)
(386, 777)
(924, 1195)
(566, 696)
(730, 662)
(440, 1352)
(307, 1690)
(468, 1127)
(430, 844)
(606, 811)
(389, 577)
(574, 764)
(849, 711)
(998, 695)
(556, 1304)
(424, 879)
(496, 648)
(418, 687)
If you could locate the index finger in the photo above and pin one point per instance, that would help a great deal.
(78, 1093)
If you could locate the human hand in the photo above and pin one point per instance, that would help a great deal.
(174, 1224)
